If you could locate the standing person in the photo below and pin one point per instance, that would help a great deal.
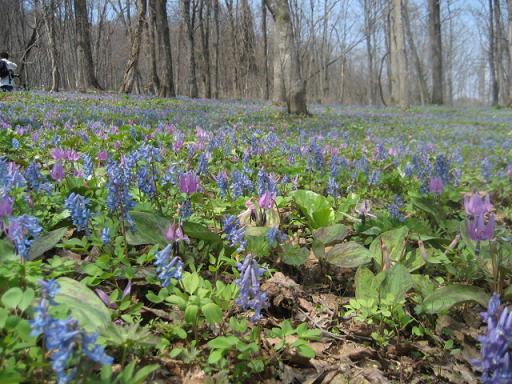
(7, 69)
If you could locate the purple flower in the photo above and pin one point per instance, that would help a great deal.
(267, 200)
(166, 267)
(105, 298)
(235, 233)
(474, 205)
(102, 155)
(436, 185)
(58, 171)
(5, 206)
(174, 233)
(189, 183)
(22, 230)
(478, 230)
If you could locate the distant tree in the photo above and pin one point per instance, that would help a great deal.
(398, 56)
(159, 14)
(87, 76)
(286, 58)
(436, 52)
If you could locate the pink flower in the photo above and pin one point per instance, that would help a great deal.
(436, 185)
(58, 171)
(474, 205)
(5, 206)
(267, 200)
(189, 182)
(175, 233)
(102, 155)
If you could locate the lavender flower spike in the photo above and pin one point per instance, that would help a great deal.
(250, 296)
(474, 205)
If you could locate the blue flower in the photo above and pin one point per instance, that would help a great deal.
(166, 267)
(250, 296)
(105, 235)
(88, 165)
(235, 233)
(77, 205)
(222, 183)
(22, 230)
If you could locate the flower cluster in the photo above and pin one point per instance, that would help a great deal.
(118, 195)
(64, 338)
(235, 233)
(495, 362)
(22, 230)
(477, 210)
(250, 296)
(78, 205)
(166, 267)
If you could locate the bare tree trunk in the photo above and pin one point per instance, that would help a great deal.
(265, 49)
(234, 49)
(289, 57)
(162, 27)
(152, 40)
(369, 30)
(417, 62)
(398, 62)
(495, 90)
(216, 12)
(49, 19)
(500, 72)
(434, 24)
(189, 14)
(83, 36)
(509, 6)
(205, 45)
(132, 64)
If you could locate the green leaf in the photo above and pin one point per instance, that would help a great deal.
(179, 301)
(46, 242)
(367, 284)
(150, 229)
(306, 351)
(190, 282)
(397, 282)
(444, 298)
(153, 298)
(293, 255)
(4, 314)
(200, 232)
(7, 251)
(191, 312)
(394, 241)
(12, 297)
(83, 303)
(143, 373)
(223, 342)
(10, 376)
(332, 234)
(348, 255)
(215, 356)
(26, 301)
(212, 313)
(315, 207)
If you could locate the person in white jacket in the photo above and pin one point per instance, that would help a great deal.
(6, 83)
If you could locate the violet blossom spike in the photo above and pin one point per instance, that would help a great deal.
(436, 185)
(5, 206)
(267, 200)
(478, 230)
(189, 183)
(58, 171)
(474, 205)
(105, 298)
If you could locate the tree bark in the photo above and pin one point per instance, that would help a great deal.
(398, 59)
(133, 61)
(189, 15)
(495, 90)
(152, 39)
(500, 72)
(162, 27)
(434, 24)
(288, 57)
(205, 45)
(265, 49)
(509, 6)
(83, 35)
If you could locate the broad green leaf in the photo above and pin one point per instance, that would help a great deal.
(394, 241)
(397, 282)
(149, 229)
(7, 251)
(315, 207)
(215, 356)
(223, 342)
(348, 255)
(293, 255)
(10, 376)
(143, 373)
(26, 301)
(200, 232)
(306, 351)
(190, 282)
(444, 298)
(4, 313)
(84, 304)
(367, 284)
(46, 243)
(331, 234)
(212, 313)
(12, 297)
(191, 313)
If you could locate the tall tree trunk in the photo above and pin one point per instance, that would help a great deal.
(205, 45)
(162, 26)
(49, 19)
(398, 59)
(216, 11)
(265, 49)
(189, 14)
(132, 64)
(498, 33)
(495, 90)
(369, 27)
(295, 86)
(417, 62)
(153, 43)
(434, 24)
(509, 6)
(83, 36)
(234, 48)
